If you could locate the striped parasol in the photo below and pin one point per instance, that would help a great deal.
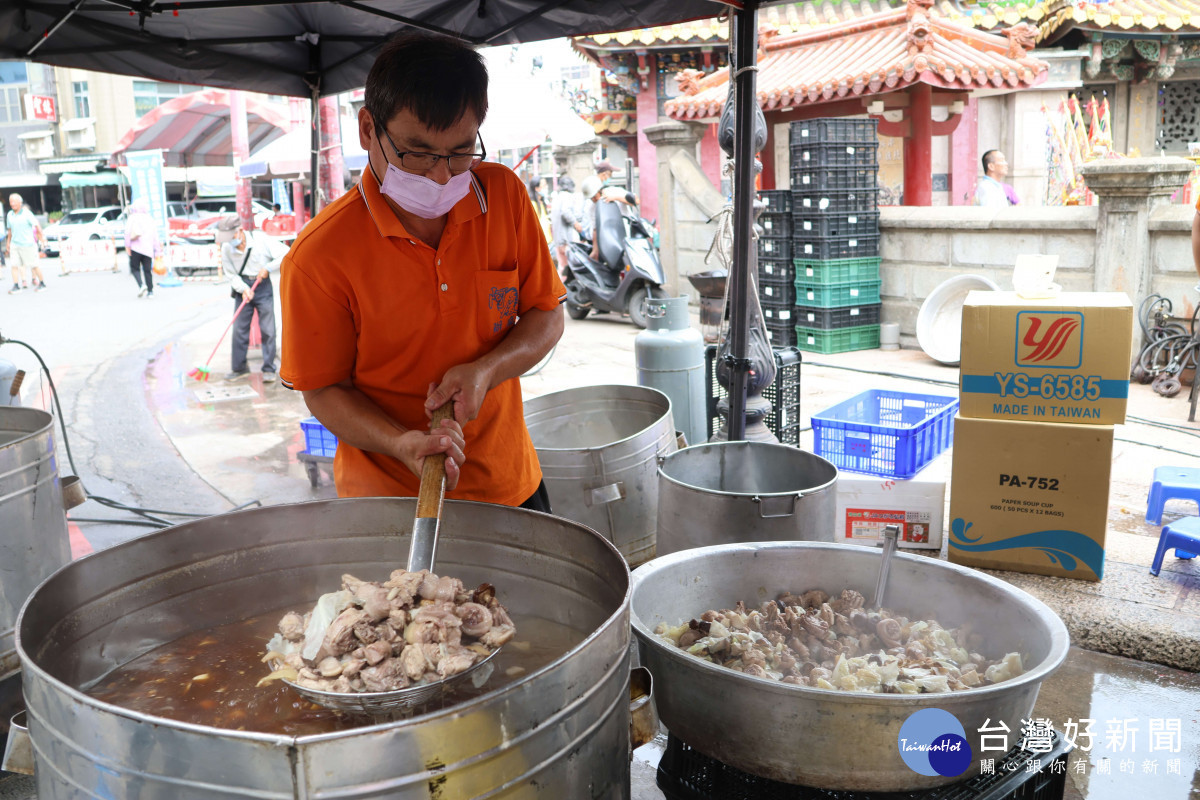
(194, 129)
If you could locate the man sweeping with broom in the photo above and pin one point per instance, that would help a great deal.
(248, 261)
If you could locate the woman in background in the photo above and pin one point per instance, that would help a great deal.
(143, 245)
(537, 196)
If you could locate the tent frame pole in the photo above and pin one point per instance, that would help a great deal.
(743, 214)
(314, 182)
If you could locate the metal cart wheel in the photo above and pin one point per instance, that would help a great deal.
(314, 473)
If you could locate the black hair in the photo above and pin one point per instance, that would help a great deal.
(987, 159)
(437, 78)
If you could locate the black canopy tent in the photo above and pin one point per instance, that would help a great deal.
(322, 47)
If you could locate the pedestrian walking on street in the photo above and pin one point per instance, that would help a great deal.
(566, 219)
(143, 245)
(21, 244)
(247, 257)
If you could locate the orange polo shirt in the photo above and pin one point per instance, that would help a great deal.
(362, 299)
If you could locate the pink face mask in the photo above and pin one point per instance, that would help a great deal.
(423, 196)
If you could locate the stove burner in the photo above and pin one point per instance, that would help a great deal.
(685, 774)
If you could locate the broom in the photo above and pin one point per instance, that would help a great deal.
(201, 373)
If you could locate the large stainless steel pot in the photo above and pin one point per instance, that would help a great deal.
(598, 446)
(814, 737)
(33, 527)
(744, 492)
(562, 731)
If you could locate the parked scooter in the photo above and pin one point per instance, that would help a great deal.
(628, 274)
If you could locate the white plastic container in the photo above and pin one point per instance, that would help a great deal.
(868, 503)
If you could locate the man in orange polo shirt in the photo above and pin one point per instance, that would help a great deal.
(430, 282)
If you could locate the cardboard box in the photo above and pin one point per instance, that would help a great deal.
(868, 503)
(1064, 359)
(1030, 496)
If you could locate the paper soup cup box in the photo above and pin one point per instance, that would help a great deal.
(1030, 496)
(1064, 359)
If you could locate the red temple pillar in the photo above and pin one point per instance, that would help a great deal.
(964, 156)
(710, 155)
(330, 164)
(766, 178)
(647, 114)
(241, 152)
(918, 147)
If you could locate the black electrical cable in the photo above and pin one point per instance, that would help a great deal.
(1170, 346)
(149, 518)
(1155, 446)
(933, 381)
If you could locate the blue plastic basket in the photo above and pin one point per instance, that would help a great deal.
(318, 441)
(893, 434)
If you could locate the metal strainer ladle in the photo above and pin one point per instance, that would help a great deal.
(888, 543)
(421, 552)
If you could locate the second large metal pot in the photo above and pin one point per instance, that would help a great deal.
(830, 739)
(560, 731)
(744, 492)
(598, 447)
(33, 527)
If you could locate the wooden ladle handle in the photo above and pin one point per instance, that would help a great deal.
(433, 472)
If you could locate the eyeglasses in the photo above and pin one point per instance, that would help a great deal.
(424, 162)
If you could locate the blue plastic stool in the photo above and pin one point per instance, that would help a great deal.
(1180, 534)
(1171, 483)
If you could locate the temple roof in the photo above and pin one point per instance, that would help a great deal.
(1149, 16)
(1048, 16)
(882, 52)
(618, 123)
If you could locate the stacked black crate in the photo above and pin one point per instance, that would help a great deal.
(776, 273)
(835, 234)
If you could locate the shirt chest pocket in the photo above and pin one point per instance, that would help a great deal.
(495, 302)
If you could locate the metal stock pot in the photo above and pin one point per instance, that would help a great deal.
(829, 739)
(33, 527)
(561, 731)
(598, 447)
(728, 492)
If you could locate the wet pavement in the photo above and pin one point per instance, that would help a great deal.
(239, 443)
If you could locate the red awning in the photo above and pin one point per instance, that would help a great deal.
(875, 54)
(194, 130)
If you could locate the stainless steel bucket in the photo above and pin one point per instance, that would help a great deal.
(744, 492)
(814, 737)
(561, 731)
(33, 526)
(598, 446)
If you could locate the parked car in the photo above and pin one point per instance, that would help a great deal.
(103, 222)
(85, 223)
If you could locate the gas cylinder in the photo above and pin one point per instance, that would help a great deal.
(670, 358)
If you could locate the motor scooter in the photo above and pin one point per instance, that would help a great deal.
(628, 273)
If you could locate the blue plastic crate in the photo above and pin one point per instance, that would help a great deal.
(893, 434)
(318, 441)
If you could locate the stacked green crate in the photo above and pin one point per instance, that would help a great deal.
(835, 234)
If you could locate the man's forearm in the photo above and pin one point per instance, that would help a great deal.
(354, 418)
(531, 338)
(1196, 241)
